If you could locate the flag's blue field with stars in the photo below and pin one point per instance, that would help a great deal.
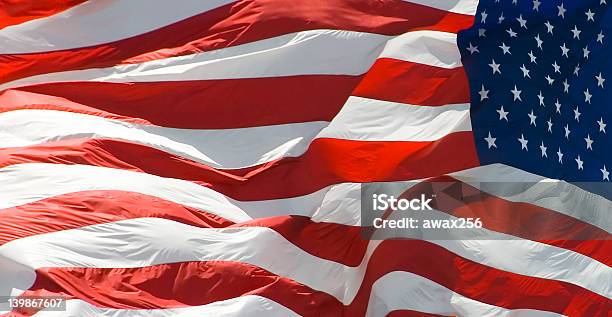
(540, 74)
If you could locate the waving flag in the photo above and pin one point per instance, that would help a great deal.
(206, 157)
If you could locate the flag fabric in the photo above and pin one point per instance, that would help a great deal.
(540, 85)
(205, 158)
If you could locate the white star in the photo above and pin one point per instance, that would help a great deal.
(490, 141)
(483, 16)
(503, 114)
(522, 21)
(587, 96)
(566, 86)
(532, 57)
(602, 2)
(580, 163)
(602, 125)
(600, 37)
(550, 124)
(511, 32)
(536, 5)
(586, 52)
(523, 143)
(561, 11)
(532, 118)
(539, 41)
(505, 48)
(525, 71)
(473, 49)
(495, 67)
(543, 149)
(549, 27)
(576, 32)
(549, 79)
(481, 33)
(557, 67)
(600, 80)
(564, 50)
(541, 98)
(516, 94)
(567, 131)
(577, 114)
(501, 18)
(558, 106)
(590, 15)
(560, 155)
(484, 94)
(515, 2)
(576, 69)
(589, 142)
(605, 174)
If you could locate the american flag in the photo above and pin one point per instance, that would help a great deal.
(205, 157)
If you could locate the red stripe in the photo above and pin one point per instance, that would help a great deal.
(18, 11)
(479, 282)
(213, 104)
(180, 285)
(416, 84)
(75, 210)
(238, 23)
(518, 219)
(331, 241)
(207, 104)
(326, 162)
(184, 284)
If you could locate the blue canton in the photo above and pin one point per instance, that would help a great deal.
(540, 74)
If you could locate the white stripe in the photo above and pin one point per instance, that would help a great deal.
(248, 305)
(338, 203)
(520, 186)
(458, 6)
(152, 241)
(535, 259)
(377, 120)
(88, 24)
(222, 148)
(360, 119)
(98, 22)
(25, 183)
(408, 291)
(303, 53)
(425, 47)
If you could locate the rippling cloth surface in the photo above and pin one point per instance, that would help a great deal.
(205, 158)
